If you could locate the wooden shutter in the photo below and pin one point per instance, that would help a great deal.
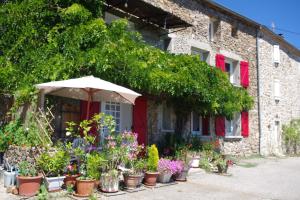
(205, 126)
(220, 126)
(244, 73)
(140, 119)
(220, 62)
(245, 124)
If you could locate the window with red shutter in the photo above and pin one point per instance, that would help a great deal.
(244, 73)
(220, 62)
(245, 124)
(220, 126)
(205, 126)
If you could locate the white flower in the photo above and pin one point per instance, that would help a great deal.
(27, 129)
(68, 133)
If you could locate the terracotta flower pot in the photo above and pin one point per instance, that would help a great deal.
(84, 188)
(29, 186)
(150, 178)
(71, 180)
(132, 181)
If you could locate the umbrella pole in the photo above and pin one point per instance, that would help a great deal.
(90, 99)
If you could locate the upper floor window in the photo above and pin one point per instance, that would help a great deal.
(234, 30)
(203, 55)
(233, 71)
(233, 126)
(212, 28)
(277, 89)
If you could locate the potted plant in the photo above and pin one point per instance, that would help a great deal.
(29, 179)
(115, 153)
(152, 164)
(134, 175)
(222, 163)
(90, 172)
(71, 175)
(53, 164)
(166, 169)
(182, 163)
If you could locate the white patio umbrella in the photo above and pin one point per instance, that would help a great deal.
(89, 89)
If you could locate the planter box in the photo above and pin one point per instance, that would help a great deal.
(164, 177)
(54, 183)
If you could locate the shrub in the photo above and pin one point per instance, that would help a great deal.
(291, 134)
(152, 162)
(26, 169)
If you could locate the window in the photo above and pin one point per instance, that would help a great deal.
(200, 125)
(233, 71)
(196, 123)
(277, 89)
(167, 118)
(203, 55)
(234, 30)
(212, 29)
(114, 109)
(233, 126)
(276, 54)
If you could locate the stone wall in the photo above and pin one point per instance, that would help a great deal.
(288, 105)
(241, 46)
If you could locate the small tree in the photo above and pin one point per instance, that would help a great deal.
(153, 158)
(291, 134)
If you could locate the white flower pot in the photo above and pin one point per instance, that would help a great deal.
(195, 162)
(54, 183)
(164, 177)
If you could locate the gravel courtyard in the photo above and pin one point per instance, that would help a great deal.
(257, 179)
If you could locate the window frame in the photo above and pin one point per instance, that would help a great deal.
(203, 54)
(234, 74)
(200, 132)
(233, 122)
(111, 103)
(162, 119)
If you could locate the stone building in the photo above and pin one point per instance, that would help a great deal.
(279, 89)
(212, 31)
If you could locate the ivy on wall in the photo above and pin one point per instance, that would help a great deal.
(47, 40)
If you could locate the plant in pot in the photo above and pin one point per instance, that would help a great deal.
(115, 153)
(183, 161)
(90, 174)
(29, 179)
(222, 163)
(167, 168)
(133, 176)
(152, 164)
(53, 163)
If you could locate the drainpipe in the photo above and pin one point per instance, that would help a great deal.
(258, 89)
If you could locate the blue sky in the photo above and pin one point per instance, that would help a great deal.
(284, 13)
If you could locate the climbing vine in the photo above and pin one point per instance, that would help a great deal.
(47, 40)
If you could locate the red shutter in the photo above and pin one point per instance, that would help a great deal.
(220, 62)
(205, 126)
(245, 124)
(244, 73)
(94, 109)
(220, 126)
(140, 119)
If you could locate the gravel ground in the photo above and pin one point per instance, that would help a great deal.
(257, 179)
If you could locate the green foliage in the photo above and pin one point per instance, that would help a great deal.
(95, 162)
(43, 193)
(53, 163)
(67, 39)
(26, 169)
(291, 134)
(153, 158)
